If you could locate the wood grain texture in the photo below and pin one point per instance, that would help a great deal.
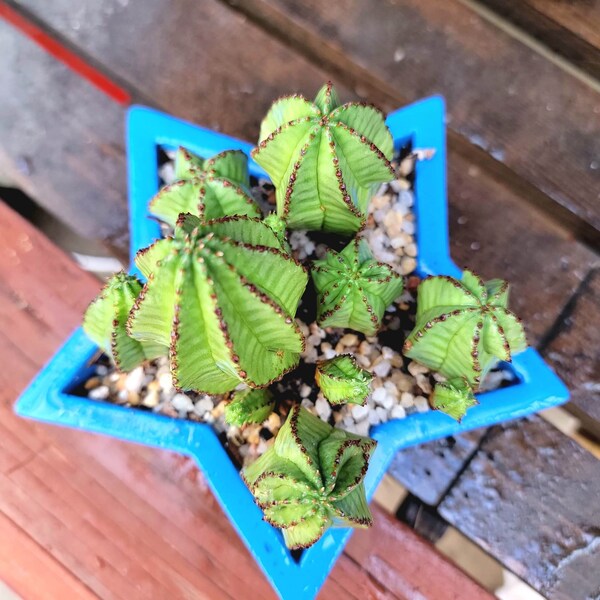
(526, 499)
(428, 470)
(200, 61)
(521, 109)
(570, 28)
(61, 141)
(574, 352)
(84, 516)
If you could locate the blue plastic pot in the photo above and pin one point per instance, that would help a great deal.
(47, 398)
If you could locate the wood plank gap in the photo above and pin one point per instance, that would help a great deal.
(561, 320)
(328, 57)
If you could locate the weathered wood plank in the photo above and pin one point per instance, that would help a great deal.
(32, 571)
(198, 60)
(526, 499)
(384, 550)
(572, 29)
(61, 141)
(574, 351)
(523, 110)
(428, 470)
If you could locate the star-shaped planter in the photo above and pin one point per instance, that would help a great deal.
(48, 398)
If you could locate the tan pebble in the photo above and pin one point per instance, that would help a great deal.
(340, 348)
(365, 348)
(396, 360)
(151, 400)
(154, 385)
(407, 400)
(274, 422)
(350, 339)
(254, 436)
(92, 383)
(363, 361)
(133, 398)
(411, 250)
(415, 368)
(407, 265)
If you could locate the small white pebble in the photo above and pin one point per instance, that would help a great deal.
(183, 403)
(203, 406)
(407, 400)
(421, 404)
(382, 369)
(379, 395)
(382, 414)
(305, 390)
(374, 418)
(99, 393)
(398, 412)
(134, 380)
(359, 412)
(323, 408)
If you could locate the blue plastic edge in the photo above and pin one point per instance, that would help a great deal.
(45, 399)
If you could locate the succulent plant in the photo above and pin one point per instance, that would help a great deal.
(210, 189)
(325, 160)
(464, 327)
(105, 319)
(453, 397)
(249, 406)
(353, 289)
(222, 295)
(342, 380)
(311, 478)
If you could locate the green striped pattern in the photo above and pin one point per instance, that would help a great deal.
(223, 296)
(311, 478)
(342, 380)
(325, 160)
(464, 327)
(210, 189)
(105, 324)
(354, 289)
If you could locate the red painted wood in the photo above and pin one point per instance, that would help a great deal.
(63, 54)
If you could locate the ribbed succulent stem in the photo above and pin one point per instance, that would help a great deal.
(464, 328)
(342, 380)
(311, 478)
(325, 160)
(353, 289)
(105, 323)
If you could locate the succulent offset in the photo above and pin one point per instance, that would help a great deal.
(210, 189)
(325, 160)
(311, 478)
(464, 327)
(249, 406)
(453, 397)
(105, 319)
(223, 297)
(353, 289)
(342, 380)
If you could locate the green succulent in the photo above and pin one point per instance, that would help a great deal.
(454, 397)
(353, 289)
(325, 160)
(249, 406)
(464, 327)
(311, 478)
(222, 295)
(342, 380)
(210, 189)
(105, 319)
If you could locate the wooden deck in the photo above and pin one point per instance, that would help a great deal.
(83, 516)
